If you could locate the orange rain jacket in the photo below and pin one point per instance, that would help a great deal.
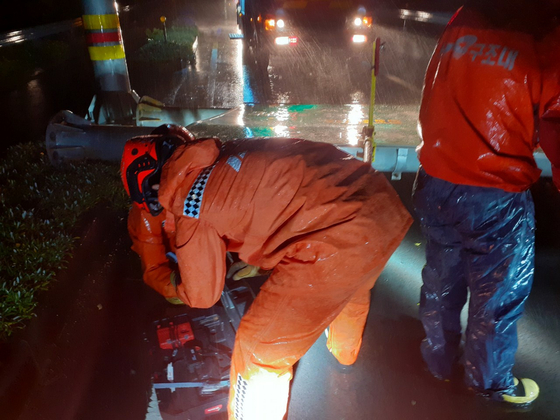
(324, 222)
(151, 242)
(485, 93)
(263, 198)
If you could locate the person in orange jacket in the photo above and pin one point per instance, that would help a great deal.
(325, 225)
(146, 217)
(154, 244)
(491, 97)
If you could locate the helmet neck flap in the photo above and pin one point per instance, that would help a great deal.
(141, 167)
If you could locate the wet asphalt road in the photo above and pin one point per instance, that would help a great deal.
(329, 73)
(389, 380)
(86, 357)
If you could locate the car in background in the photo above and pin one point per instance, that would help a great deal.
(299, 27)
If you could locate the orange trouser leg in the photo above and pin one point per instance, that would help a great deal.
(293, 308)
(346, 331)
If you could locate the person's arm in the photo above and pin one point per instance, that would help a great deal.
(201, 254)
(146, 234)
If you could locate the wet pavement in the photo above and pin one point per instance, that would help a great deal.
(310, 74)
(389, 380)
(85, 356)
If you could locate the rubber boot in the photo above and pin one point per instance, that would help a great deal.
(526, 391)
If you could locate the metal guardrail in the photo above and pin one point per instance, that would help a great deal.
(425, 17)
(36, 32)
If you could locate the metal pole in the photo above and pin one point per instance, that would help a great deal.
(115, 102)
(369, 132)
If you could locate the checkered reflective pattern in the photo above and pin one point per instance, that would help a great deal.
(240, 394)
(234, 162)
(193, 201)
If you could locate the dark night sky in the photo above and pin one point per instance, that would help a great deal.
(29, 13)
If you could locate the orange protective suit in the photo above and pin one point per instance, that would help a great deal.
(151, 242)
(486, 92)
(322, 221)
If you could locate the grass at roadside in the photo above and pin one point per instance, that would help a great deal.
(41, 206)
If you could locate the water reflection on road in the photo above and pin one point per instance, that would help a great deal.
(309, 74)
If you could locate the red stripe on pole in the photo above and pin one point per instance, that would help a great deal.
(101, 37)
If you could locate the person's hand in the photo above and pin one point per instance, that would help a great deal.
(175, 301)
(174, 279)
(242, 270)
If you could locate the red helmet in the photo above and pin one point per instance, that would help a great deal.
(142, 161)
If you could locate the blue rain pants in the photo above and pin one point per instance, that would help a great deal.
(478, 240)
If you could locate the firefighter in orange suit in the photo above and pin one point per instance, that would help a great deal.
(146, 219)
(154, 244)
(323, 222)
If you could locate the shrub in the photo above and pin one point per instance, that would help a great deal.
(41, 205)
(184, 35)
(179, 45)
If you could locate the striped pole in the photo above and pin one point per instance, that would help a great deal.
(368, 132)
(105, 45)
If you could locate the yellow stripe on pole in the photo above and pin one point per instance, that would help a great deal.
(100, 22)
(113, 52)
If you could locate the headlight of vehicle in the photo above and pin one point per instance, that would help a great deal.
(359, 39)
(269, 24)
(362, 22)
